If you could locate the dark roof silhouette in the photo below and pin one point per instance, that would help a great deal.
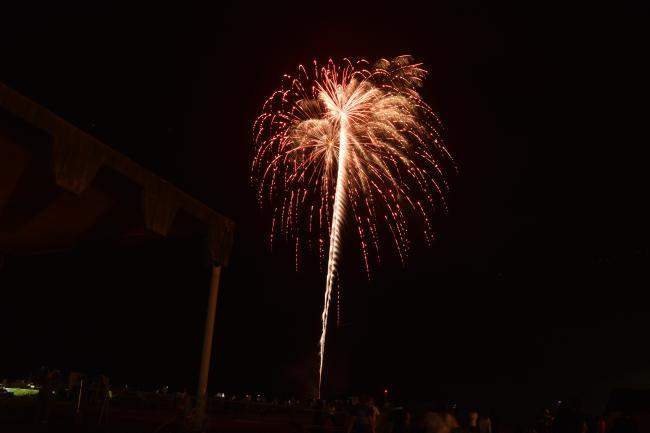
(61, 187)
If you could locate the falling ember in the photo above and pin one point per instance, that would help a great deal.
(352, 143)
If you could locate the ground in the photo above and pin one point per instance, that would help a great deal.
(19, 415)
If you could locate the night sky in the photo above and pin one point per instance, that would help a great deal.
(532, 291)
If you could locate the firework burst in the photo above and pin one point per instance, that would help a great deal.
(352, 142)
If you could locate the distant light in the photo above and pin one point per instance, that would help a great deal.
(385, 391)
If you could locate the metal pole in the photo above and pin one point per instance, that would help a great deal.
(201, 396)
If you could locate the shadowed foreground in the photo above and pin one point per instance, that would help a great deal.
(20, 415)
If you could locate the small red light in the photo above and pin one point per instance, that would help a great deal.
(386, 391)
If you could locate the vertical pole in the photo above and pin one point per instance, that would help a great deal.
(201, 397)
(81, 388)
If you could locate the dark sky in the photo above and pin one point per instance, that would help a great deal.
(533, 290)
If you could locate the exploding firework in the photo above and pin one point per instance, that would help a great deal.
(352, 142)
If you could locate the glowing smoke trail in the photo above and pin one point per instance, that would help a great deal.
(335, 238)
(355, 143)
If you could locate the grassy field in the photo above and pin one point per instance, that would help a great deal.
(22, 392)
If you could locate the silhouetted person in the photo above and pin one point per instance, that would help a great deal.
(435, 422)
(544, 424)
(319, 417)
(104, 396)
(375, 413)
(361, 418)
(485, 424)
(495, 421)
(331, 413)
(452, 423)
(472, 421)
(46, 380)
(568, 420)
(400, 419)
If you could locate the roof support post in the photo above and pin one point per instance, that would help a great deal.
(202, 392)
